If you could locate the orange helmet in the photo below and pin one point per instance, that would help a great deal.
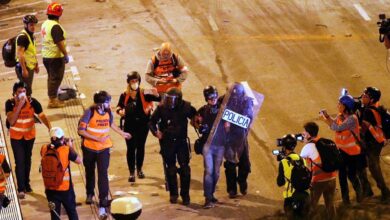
(54, 9)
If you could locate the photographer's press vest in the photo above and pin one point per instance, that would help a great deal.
(345, 140)
(164, 69)
(63, 153)
(147, 106)
(98, 126)
(49, 48)
(24, 126)
(287, 169)
(376, 131)
(30, 53)
(3, 180)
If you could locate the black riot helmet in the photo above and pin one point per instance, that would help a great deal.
(238, 90)
(289, 141)
(18, 85)
(101, 97)
(373, 92)
(210, 92)
(173, 98)
(30, 19)
(133, 75)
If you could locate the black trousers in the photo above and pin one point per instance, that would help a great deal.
(102, 160)
(67, 199)
(28, 80)
(240, 176)
(349, 169)
(22, 150)
(171, 151)
(55, 68)
(373, 152)
(136, 148)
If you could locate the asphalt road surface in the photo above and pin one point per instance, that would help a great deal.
(298, 53)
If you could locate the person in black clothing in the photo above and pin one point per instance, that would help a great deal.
(135, 106)
(169, 123)
(5, 171)
(236, 146)
(26, 53)
(373, 137)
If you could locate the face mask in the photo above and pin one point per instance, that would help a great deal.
(21, 95)
(134, 86)
(57, 142)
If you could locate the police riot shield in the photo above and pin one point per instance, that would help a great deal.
(236, 115)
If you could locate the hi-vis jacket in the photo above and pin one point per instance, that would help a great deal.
(287, 169)
(3, 180)
(147, 106)
(49, 48)
(164, 70)
(30, 53)
(98, 126)
(345, 140)
(377, 131)
(63, 152)
(24, 126)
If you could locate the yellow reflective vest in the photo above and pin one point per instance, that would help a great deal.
(49, 48)
(30, 53)
(287, 169)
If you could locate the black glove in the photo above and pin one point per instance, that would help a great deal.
(176, 72)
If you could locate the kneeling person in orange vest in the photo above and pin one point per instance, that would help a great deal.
(56, 174)
(94, 127)
(4, 174)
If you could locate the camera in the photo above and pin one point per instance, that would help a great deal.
(384, 27)
(280, 142)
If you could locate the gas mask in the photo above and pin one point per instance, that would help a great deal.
(103, 107)
(134, 86)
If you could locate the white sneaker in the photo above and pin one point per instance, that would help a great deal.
(102, 213)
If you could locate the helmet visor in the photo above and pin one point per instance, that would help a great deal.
(170, 101)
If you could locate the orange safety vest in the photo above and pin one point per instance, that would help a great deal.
(377, 131)
(345, 140)
(164, 70)
(98, 126)
(63, 152)
(3, 179)
(147, 106)
(318, 174)
(24, 126)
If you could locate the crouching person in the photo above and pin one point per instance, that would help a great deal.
(56, 174)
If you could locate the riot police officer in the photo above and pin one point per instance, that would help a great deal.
(236, 146)
(169, 123)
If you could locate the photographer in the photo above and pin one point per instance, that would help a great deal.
(4, 174)
(373, 136)
(59, 191)
(346, 127)
(212, 156)
(287, 156)
(384, 30)
(323, 183)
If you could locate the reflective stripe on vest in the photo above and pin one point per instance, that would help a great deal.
(287, 169)
(147, 106)
(345, 140)
(24, 126)
(3, 180)
(98, 126)
(49, 48)
(63, 152)
(30, 53)
(376, 131)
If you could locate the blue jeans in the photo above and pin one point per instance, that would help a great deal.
(212, 159)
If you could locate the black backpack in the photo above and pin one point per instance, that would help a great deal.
(329, 154)
(8, 52)
(300, 175)
(385, 117)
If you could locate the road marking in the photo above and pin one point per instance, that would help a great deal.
(212, 23)
(22, 5)
(18, 16)
(74, 70)
(362, 12)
